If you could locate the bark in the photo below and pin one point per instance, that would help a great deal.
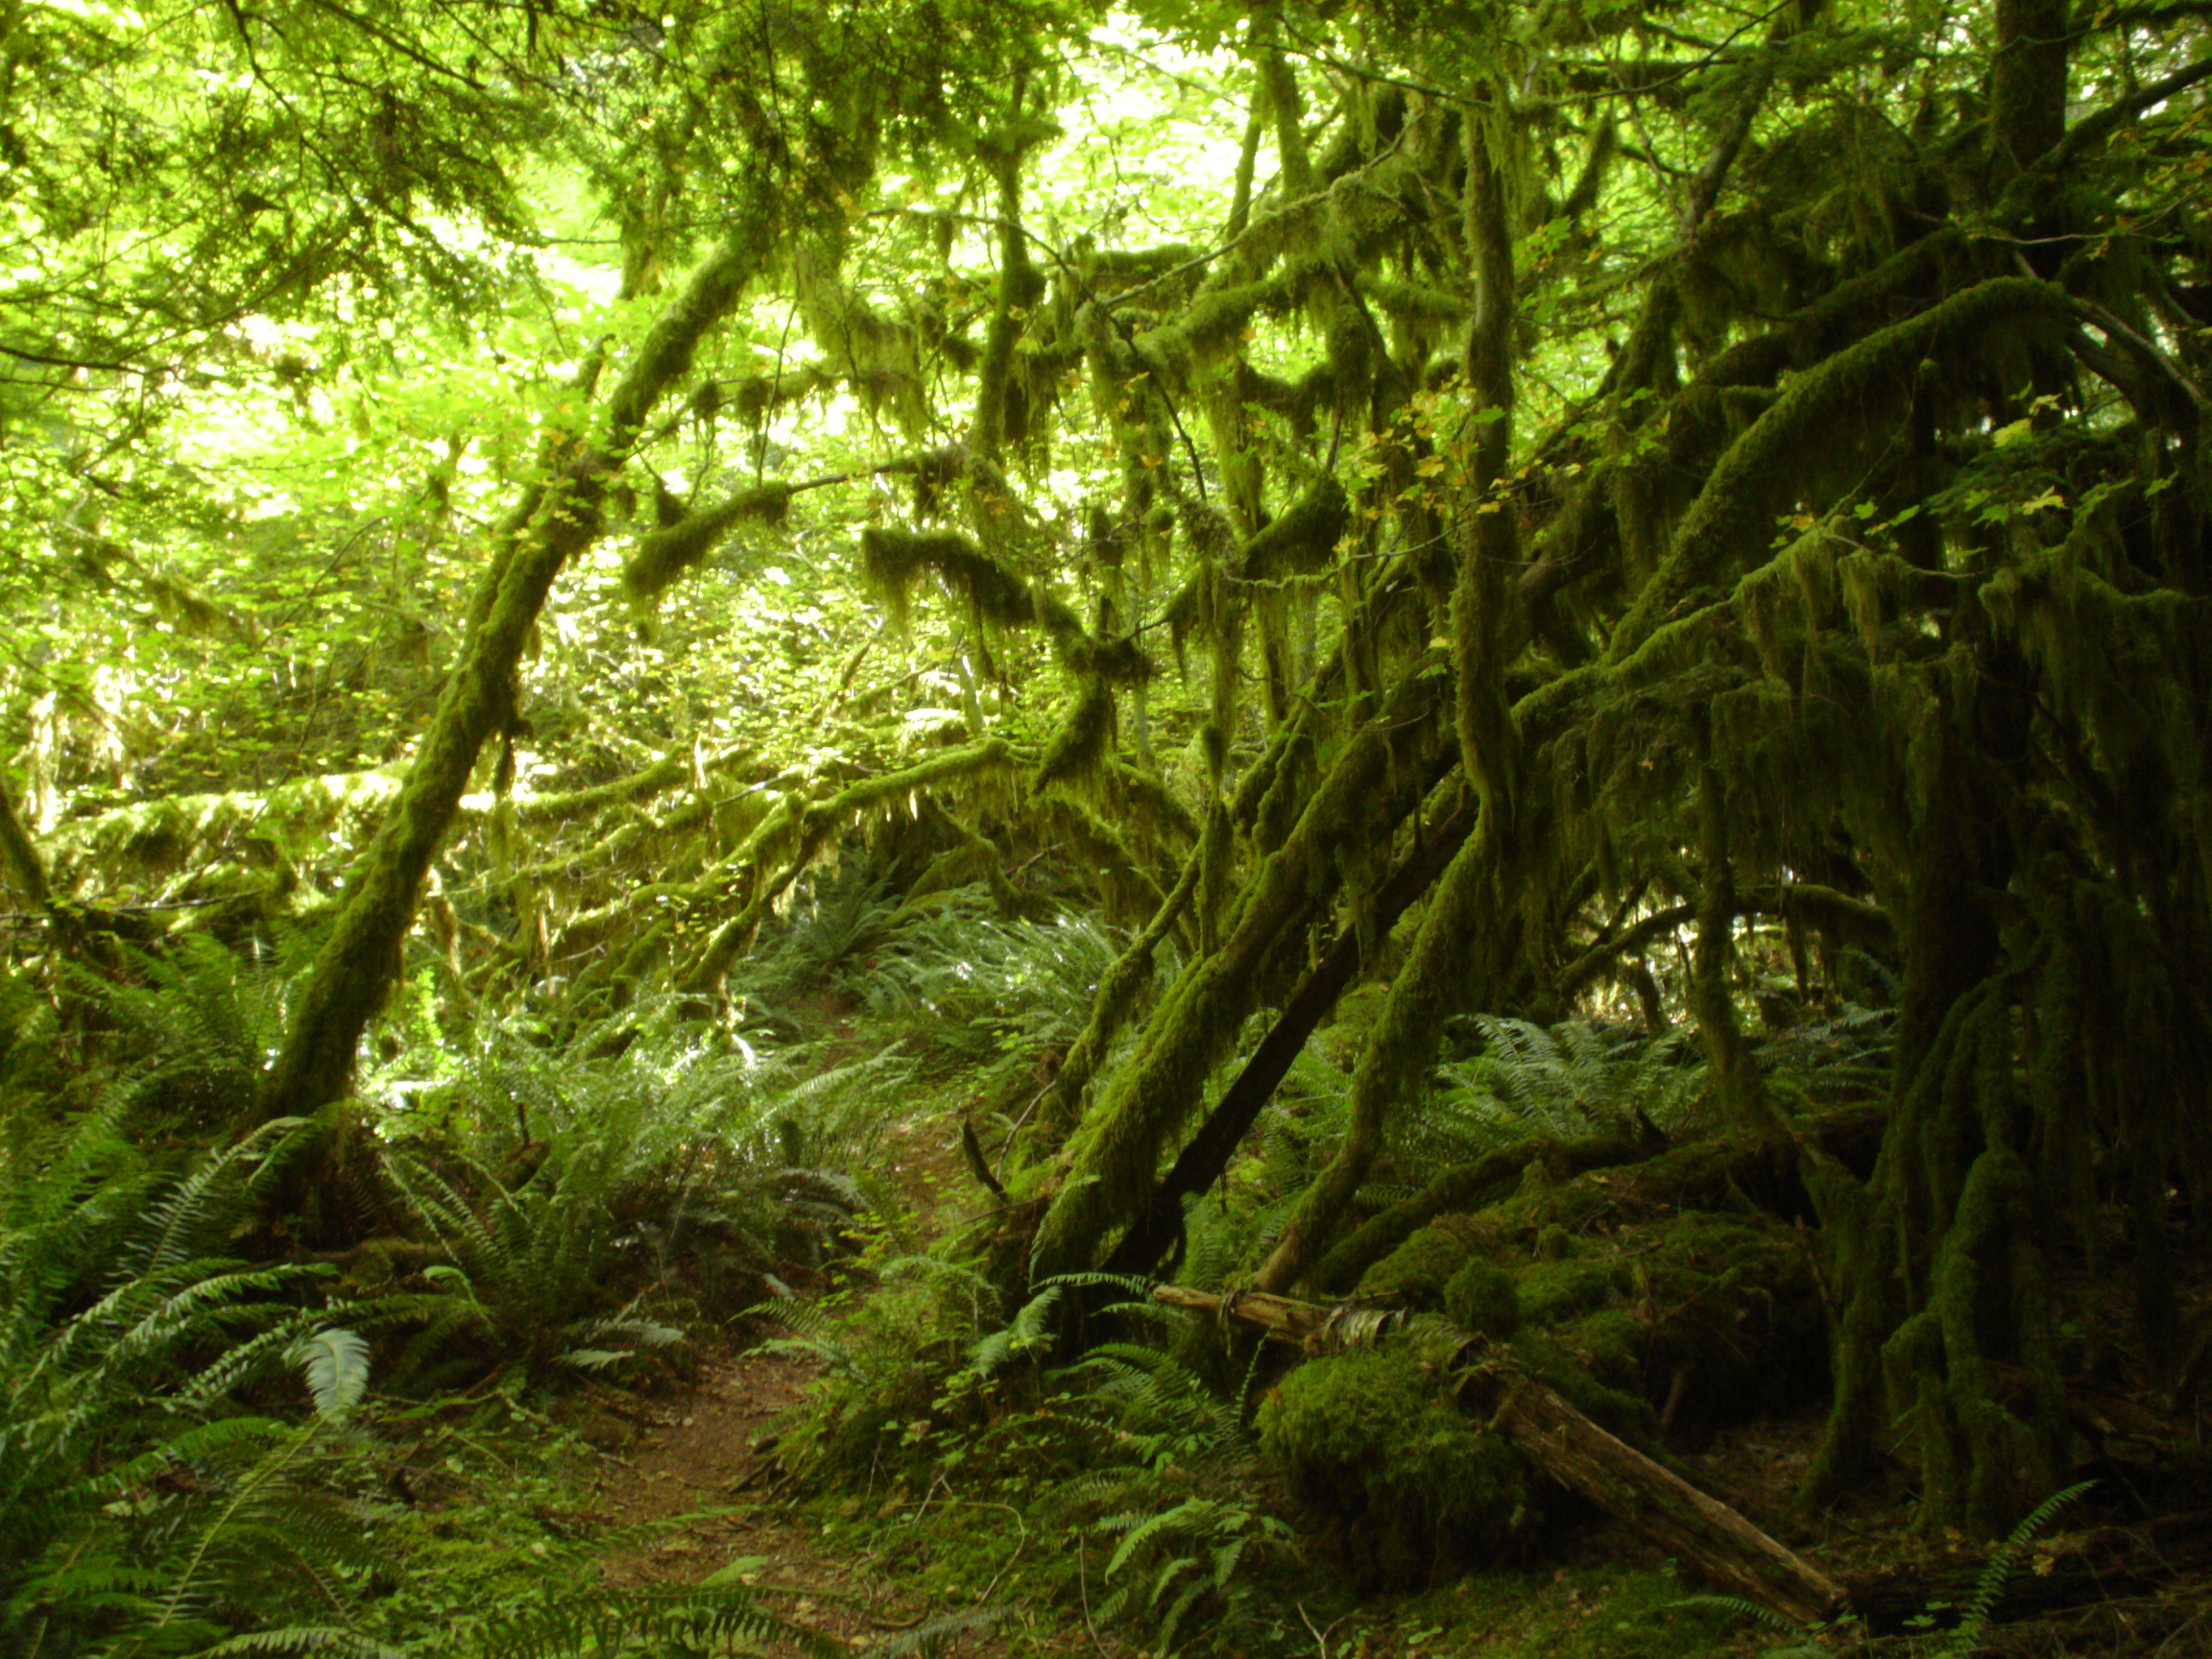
(2028, 80)
(1696, 1529)
(556, 520)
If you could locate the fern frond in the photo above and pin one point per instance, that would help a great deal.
(301, 1639)
(602, 1622)
(1189, 1514)
(335, 1363)
(1756, 1611)
(1997, 1573)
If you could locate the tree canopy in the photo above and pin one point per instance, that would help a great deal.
(1680, 514)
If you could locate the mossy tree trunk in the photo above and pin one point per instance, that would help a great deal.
(556, 520)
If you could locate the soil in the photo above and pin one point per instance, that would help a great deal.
(701, 1457)
(698, 1468)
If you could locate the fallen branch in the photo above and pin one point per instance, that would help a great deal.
(1565, 1445)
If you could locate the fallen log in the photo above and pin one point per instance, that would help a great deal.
(2164, 1555)
(1695, 1529)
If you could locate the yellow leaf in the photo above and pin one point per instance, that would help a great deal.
(1429, 466)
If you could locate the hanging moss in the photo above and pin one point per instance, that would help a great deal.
(665, 555)
(1301, 539)
(895, 559)
(1738, 497)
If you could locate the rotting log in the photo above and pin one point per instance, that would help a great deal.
(1690, 1525)
(2164, 1556)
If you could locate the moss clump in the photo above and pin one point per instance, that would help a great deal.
(1482, 1297)
(1415, 1273)
(1556, 1290)
(1411, 1488)
(1723, 1303)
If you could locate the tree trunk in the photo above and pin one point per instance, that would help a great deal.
(556, 520)
(1207, 1153)
(19, 854)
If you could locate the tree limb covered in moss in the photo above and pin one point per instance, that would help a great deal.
(554, 521)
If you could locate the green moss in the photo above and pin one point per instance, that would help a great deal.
(1723, 1304)
(1415, 1273)
(1617, 1410)
(1554, 1289)
(1410, 1486)
(665, 555)
(1482, 1297)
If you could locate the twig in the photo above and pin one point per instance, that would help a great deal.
(1083, 1588)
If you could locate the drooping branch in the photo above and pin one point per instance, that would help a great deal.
(1113, 1155)
(1206, 1154)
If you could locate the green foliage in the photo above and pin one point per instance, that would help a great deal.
(679, 1619)
(1192, 1550)
(982, 989)
(153, 1501)
(1974, 1618)
(1569, 1082)
(1758, 470)
(138, 1503)
(335, 1363)
(661, 1173)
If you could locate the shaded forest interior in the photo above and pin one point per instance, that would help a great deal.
(1398, 816)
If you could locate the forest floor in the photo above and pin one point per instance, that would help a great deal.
(697, 1469)
(693, 1469)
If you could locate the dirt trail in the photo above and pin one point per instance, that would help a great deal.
(701, 1453)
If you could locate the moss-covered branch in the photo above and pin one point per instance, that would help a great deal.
(793, 834)
(20, 854)
(556, 519)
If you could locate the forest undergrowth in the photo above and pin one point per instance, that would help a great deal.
(694, 1345)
